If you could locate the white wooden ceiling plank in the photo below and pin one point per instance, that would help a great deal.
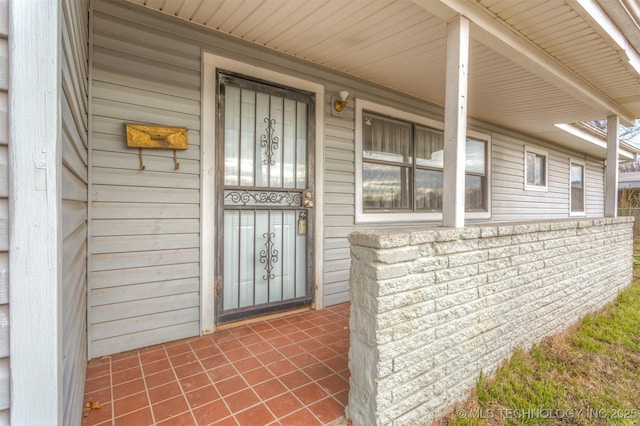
(404, 26)
(245, 9)
(400, 57)
(502, 5)
(511, 13)
(189, 9)
(534, 13)
(172, 6)
(488, 3)
(223, 14)
(154, 4)
(567, 38)
(317, 27)
(547, 24)
(320, 24)
(597, 55)
(416, 33)
(277, 15)
(348, 36)
(260, 20)
(207, 9)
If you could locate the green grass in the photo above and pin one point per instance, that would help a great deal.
(591, 372)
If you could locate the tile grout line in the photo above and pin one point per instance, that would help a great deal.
(178, 380)
(146, 388)
(113, 402)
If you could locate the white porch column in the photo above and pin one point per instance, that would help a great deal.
(455, 122)
(35, 226)
(611, 171)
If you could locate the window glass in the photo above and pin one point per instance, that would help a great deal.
(386, 140)
(577, 187)
(536, 166)
(429, 147)
(385, 186)
(474, 192)
(429, 190)
(476, 157)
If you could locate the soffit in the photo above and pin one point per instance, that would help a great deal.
(401, 45)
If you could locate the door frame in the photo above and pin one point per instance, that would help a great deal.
(211, 63)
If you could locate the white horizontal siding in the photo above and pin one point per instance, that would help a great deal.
(510, 201)
(145, 224)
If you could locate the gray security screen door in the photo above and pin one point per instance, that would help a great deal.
(265, 199)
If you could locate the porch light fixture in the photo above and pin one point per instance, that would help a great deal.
(339, 105)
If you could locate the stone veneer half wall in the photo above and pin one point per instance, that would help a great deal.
(431, 308)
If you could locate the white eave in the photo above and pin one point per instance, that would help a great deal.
(532, 64)
(584, 134)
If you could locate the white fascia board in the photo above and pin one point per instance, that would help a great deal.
(600, 18)
(626, 151)
(502, 38)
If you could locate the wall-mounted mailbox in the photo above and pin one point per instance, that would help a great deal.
(152, 136)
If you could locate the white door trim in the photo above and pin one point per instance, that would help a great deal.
(210, 64)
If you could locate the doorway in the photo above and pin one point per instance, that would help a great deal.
(265, 198)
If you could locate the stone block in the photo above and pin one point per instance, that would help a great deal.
(466, 283)
(500, 252)
(397, 255)
(423, 237)
(494, 265)
(456, 299)
(458, 246)
(461, 259)
(486, 243)
(428, 264)
(451, 274)
(406, 283)
(380, 238)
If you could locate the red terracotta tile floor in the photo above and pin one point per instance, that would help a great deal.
(292, 370)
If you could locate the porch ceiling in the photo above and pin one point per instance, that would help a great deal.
(400, 44)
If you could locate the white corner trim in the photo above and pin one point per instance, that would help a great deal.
(211, 63)
(35, 213)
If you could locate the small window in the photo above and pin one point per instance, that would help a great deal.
(577, 188)
(476, 175)
(535, 166)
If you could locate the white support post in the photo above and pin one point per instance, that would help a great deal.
(34, 213)
(455, 122)
(611, 171)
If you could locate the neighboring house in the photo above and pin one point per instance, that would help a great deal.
(458, 112)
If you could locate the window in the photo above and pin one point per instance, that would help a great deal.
(577, 188)
(400, 167)
(535, 166)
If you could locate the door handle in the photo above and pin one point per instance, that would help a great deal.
(307, 198)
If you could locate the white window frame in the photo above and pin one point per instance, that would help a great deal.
(545, 154)
(584, 187)
(360, 215)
